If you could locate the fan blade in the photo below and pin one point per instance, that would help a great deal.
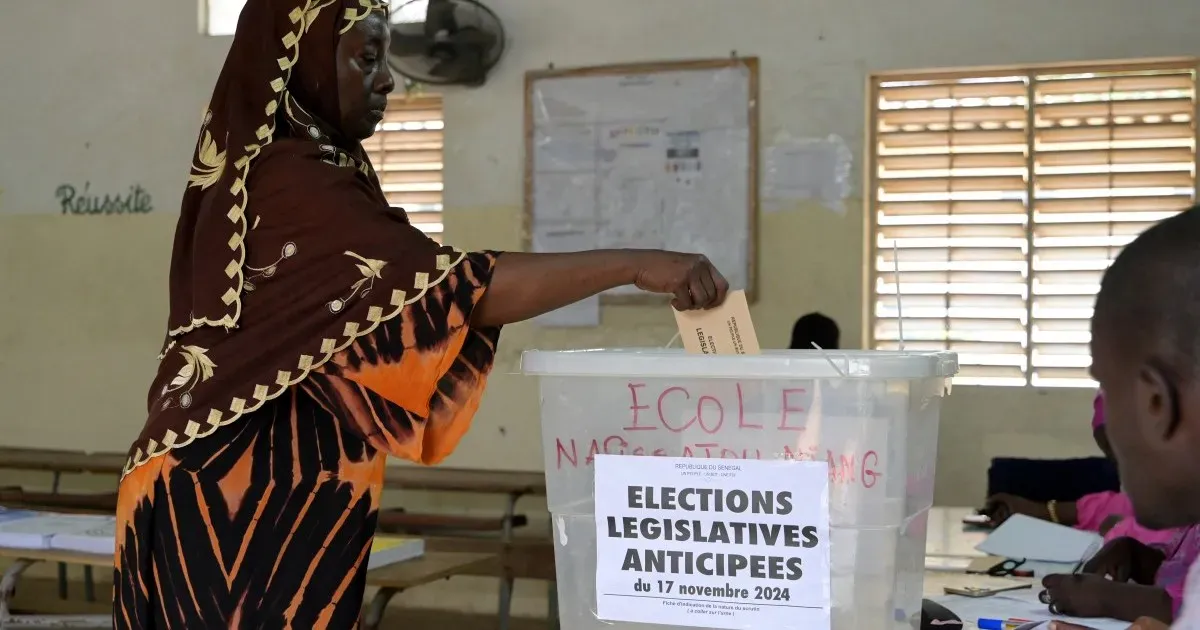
(473, 37)
(465, 68)
(407, 45)
(439, 16)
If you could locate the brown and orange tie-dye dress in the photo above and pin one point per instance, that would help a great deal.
(268, 523)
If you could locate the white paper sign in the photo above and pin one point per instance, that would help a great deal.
(712, 543)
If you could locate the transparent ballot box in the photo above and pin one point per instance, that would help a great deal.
(872, 417)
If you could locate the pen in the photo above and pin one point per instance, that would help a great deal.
(999, 624)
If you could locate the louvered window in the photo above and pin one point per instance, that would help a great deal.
(1006, 194)
(406, 151)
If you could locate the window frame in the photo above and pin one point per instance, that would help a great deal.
(871, 178)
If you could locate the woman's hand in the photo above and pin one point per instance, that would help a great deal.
(691, 278)
(1124, 559)
(1001, 506)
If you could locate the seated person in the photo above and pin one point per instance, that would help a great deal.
(815, 328)
(1145, 353)
(1107, 513)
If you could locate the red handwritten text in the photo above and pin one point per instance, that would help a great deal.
(844, 468)
(676, 409)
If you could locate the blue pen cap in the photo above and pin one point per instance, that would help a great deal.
(990, 624)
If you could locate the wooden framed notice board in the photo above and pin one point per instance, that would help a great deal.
(648, 155)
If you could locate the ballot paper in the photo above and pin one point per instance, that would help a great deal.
(726, 329)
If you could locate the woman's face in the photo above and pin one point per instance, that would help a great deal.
(364, 79)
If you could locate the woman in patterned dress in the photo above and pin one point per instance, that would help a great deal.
(313, 331)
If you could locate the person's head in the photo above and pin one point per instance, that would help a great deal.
(1146, 356)
(340, 76)
(363, 77)
(297, 71)
(814, 328)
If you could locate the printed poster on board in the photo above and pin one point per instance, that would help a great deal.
(712, 543)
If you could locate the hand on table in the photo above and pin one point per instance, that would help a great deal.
(1001, 506)
(691, 278)
(1124, 559)
(1077, 595)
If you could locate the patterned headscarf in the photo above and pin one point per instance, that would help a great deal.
(264, 68)
(286, 250)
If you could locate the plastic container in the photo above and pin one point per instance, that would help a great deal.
(872, 415)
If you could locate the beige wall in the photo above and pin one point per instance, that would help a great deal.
(110, 93)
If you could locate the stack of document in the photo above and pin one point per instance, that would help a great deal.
(84, 533)
(393, 549)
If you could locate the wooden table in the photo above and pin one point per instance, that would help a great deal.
(513, 484)
(442, 479)
(438, 479)
(56, 461)
(430, 567)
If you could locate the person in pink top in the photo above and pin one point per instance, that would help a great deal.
(1107, 513)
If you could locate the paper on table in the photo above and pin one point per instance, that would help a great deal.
(1017, 605)
(1033, 539)
(726, 329)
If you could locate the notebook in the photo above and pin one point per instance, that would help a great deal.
(393, 549)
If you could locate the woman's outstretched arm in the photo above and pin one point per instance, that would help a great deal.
(525, 285)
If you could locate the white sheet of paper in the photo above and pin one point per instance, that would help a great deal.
(774, 546)
(804, 169)
(1029, 538)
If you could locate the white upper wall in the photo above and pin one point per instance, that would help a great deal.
(110, 91)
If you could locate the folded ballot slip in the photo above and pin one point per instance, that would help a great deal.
(726, 329)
